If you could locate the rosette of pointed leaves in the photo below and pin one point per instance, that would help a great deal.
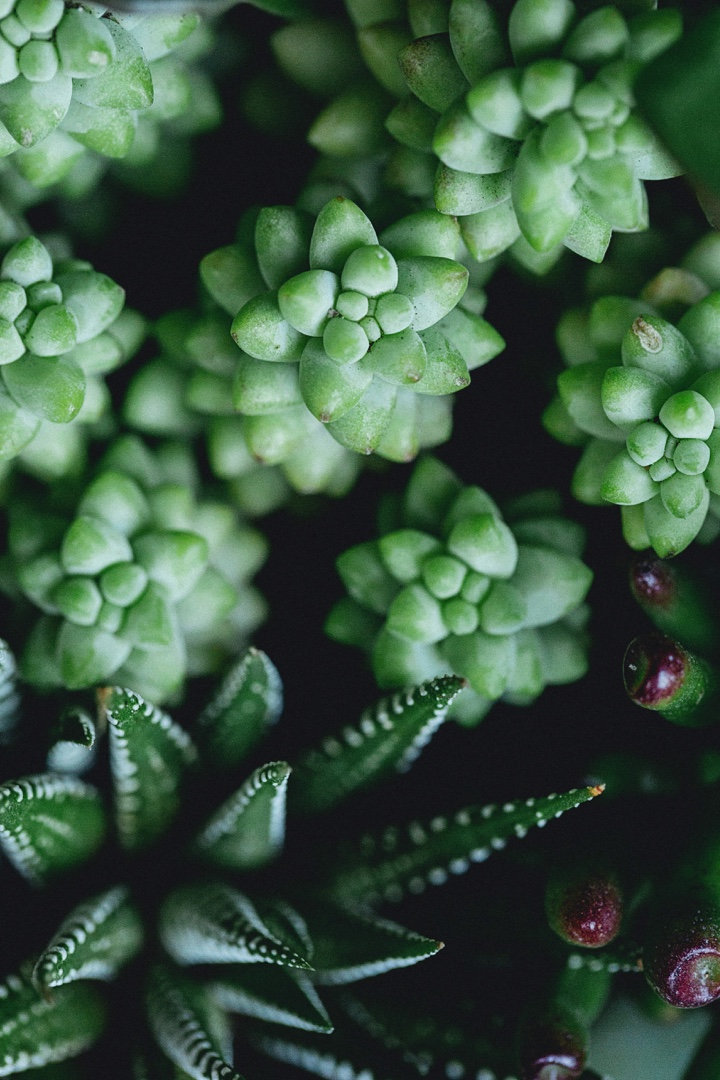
(188, 390)
(639, 392)
(223, 937)
(537, 134)
(73, 77)
(456, 587)
(139, 579)
(62, 327)
(362, 331)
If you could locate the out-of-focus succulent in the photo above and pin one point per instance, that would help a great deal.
(457, 588)
(537, 132)
(368, 335)
(139, 578)
(640, 393)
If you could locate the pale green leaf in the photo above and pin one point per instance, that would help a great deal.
(93, 942)
(249, 828)
(407, 859)
(389, 736)
(149, 753)
(36, 1031)
(189, 1026)
(214, 923)
(270, 993)
(49, 823)
(247, 703)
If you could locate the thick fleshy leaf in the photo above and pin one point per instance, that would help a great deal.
(93, 298)
(36, 1031)
(446, 371)
(435, 285)
(352, 945)
(30, 111)
(466, 146)
(88, 655)
(431, 71)
(149, 753)
(282, 241)
(389, 736)
(49, 824)
(402, 860)
(248, 702)
(231, 276)
(461, 193)
(580, 389)
(328, 390)
(50, 387)
(270, 993)
(95, 940)
(669, 535)
(341, 227)
(362, 428)
(249, 828)
(126, 83)
(188, 1025)
(213, 923)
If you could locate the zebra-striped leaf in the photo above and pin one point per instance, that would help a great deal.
(74, 745)
(188, 1026)
(249, 700)
(271, 993)
(36, 1031)
(249, 828)
(213, 923)
(405, 859)
(49, 823)
(9, 696)
(149, 754)
(389, 736)
(93, 942)
(350, 945)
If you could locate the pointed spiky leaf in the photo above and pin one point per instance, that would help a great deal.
(352, 945)
(36, 1031)
(9, 697)
(408, 858)
(248, 830)
(74, 738)
(93, 942)
(149, 753)
(49, 823)
(389, 735)
(271, 993)
(213, 923)
(247, 703)
(189, 1026)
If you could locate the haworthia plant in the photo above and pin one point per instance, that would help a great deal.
(456, 588)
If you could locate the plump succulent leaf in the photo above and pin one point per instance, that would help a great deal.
(271, 993)
(36, 1031)
(247, 703)
(406, 860)
(390, 735)
(214, 923)
(93, 942)
(149, 753)
(49, 824)
(249, 828)
(351, 945)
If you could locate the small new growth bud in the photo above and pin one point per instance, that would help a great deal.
(584, 908)
(661, 675)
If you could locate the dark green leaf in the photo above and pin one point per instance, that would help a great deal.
(271, 993)
(249, 828)
(247, 703)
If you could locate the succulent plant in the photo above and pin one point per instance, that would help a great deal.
(138, 579)
(456, 588)
(636, 378)
(366, 337)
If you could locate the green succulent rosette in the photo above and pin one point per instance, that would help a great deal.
(75, 77)
(187, 390)
(532, 118)
(139, 578)
(63, 327)
(457, 587)
(639, 396)
(366, 335)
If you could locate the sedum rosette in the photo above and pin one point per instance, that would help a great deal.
(641, 393)
(62, 327)
(364, 333)
(537, 134)
(140, 578)
(454, 587)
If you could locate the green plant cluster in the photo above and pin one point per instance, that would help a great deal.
(156, 921)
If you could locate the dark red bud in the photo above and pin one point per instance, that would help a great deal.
(683, 966)
(654, 670)
(586, 911)
(652, 581)
(551, 1050)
